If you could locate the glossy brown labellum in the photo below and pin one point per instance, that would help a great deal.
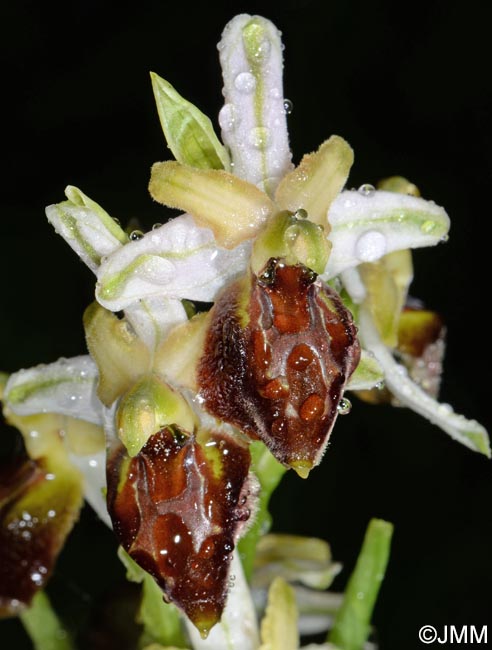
(39, 503)
(278, 354)
(177, 508)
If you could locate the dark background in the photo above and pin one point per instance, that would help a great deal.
(409, 86)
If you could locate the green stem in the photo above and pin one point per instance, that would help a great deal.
(43, 626)
(269, 472)
(352, 623)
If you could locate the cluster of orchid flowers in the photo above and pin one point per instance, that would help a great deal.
(179, 423)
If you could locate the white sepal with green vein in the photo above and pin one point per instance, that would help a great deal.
(469, 432)
(366, 226)
(253, 117)
(177, 260)
(86, 227)
(67, 386)
(152, 319)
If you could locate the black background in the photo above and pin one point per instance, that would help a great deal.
(409, 86)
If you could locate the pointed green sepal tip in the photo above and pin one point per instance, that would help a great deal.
(352, 622)
(188, 132)
(149, 406)
(294, 238)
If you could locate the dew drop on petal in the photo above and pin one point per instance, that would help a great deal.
(156, 225)
(301, 214)
(259, 137)
(227, 117)
(367, 190)
(370, 246)
(288, 106)
(428, 226)
(245, 82)
(135, 235)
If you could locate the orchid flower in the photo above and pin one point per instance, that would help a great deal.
(203, 412)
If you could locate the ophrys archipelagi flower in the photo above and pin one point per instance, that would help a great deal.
(295, 265)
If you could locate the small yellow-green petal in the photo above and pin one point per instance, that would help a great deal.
(232, 208)
(178, 355)
(317, 180)
(120, 356)
(386, 282)
(398, 184)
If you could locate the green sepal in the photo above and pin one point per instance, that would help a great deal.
(189, 133)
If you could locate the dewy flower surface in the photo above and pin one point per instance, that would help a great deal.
(308, 281)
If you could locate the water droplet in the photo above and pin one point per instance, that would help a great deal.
(312, 408)
(428, 226)
(275, 389)
(259, 137)
(360, 595)
(156, 225)
(135, 235)
(245, 82)
(370, 246)
(117, 221)
(292, 232)
(367, 190)
(288, 106)
(177, 539)
(263, 50)
(300, 357)
(344, 406)
(444, 239)
(301, 214)
(227, 117)
(37, 578)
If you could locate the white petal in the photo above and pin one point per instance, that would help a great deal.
(153, 318)
(178, 260)
(93, 469)
(67, 386)
(366, 226)
(253, 118)
(86, 227)
(469, 432)
(237, 629)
